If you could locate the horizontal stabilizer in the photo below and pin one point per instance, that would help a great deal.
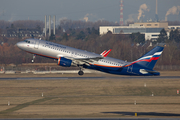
(153, 72)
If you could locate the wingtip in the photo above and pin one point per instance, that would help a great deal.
(105, 55)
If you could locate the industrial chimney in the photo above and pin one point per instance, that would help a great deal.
(54, 25)
(156, 15)
(45, 26)
(49, 25)
(156, 7)
(121, 12)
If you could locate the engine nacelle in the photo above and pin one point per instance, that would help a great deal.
(64, 62)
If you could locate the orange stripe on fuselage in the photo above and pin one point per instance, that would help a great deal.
(105, 65)
(59, 59)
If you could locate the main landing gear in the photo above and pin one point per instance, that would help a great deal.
(81, 71)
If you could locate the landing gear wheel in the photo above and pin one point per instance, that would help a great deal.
(80, 72)
(34, 56)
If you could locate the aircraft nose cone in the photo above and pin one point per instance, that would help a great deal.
(19, 44)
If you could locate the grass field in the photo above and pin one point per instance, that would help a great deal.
(89, 98)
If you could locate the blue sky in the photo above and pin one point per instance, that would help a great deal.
(91, 10)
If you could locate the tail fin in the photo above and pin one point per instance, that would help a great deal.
(149, 59)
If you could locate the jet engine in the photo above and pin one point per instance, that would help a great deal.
(64, 62)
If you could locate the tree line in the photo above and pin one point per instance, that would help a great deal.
(123, 47)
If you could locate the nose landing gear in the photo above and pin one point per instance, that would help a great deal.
(34, 56)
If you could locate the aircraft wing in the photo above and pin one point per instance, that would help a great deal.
(81, 61)
(88, 60)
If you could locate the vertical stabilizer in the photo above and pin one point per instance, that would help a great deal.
(149, 59)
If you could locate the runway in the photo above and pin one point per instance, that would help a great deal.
(99, 119)
(89, 97)
(85, 78)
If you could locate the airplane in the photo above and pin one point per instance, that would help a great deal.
(68, 56)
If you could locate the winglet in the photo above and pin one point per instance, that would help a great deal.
(105, 54)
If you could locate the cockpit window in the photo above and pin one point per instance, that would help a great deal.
(27, 41)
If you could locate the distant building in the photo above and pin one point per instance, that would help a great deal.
(153, 24)
(173, 27)
(21, 32)
(151, 30)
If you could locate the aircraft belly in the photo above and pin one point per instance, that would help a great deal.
(43, 52)
(113, 69)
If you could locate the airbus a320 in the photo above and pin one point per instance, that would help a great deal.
(68, 56)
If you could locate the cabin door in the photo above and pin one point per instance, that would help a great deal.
(36, 45)
(129, 69)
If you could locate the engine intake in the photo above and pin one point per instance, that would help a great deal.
(64, 62)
